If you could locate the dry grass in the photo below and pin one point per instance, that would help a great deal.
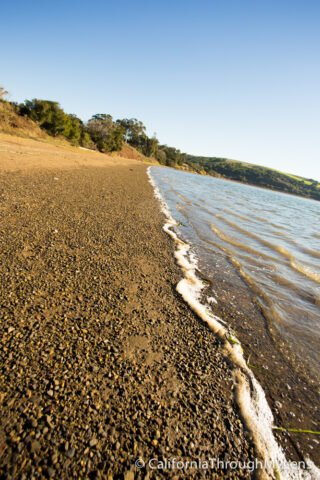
(129, 152)
(14, 124)
(17, 153)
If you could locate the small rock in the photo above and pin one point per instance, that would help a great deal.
(49, 421)
(70, 453)
(35, 446)
(50, 472)
(34, 423)
(54, 458)
(93, 442)
(129, 475)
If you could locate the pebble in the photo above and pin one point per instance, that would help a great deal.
(50, 472)
(93, 442)
(70, 453)
(35, 446)
(107, 385)
(129, 475)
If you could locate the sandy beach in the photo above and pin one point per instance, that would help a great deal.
(102, 363)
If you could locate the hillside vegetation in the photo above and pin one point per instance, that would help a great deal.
(23, 126)
(38, 118)
(15, 124)
(254, 175)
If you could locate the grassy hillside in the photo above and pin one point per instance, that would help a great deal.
(254, 175)
(14, 124)
(46, 120)
(127, 151)
(22, 126)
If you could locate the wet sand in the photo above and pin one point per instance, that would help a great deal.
(102, 363)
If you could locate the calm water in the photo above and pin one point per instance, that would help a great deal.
(272, 239)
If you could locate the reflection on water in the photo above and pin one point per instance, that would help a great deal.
(270, 237)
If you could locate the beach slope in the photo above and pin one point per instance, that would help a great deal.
(102, 363)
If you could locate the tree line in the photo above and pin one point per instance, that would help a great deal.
(101, 132)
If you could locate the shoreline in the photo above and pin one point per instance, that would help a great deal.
(241, 183)
(197, 294)
(102, 362)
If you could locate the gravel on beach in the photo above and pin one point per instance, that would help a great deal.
(102, 363)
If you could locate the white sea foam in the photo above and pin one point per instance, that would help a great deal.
(250, 396)
(211, 300)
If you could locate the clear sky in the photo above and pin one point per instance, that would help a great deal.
(232, 78)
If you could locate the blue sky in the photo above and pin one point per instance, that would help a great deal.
(232, 78)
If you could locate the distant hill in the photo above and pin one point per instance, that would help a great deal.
(46, 120)
(254, 175)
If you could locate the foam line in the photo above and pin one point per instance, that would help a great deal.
(250, 396)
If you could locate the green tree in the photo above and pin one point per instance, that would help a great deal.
(86, 141)
(161, 156)
(173, 156)
(107, 135)
(150, 146)
(49, 115)
(133, 131)
(74, 129)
